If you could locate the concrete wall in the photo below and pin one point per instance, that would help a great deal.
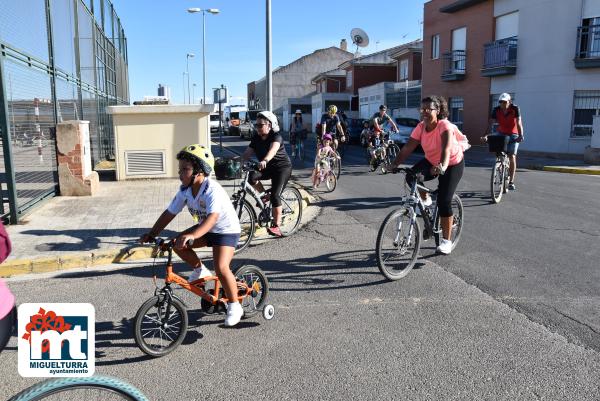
(294, 79)
(165, 129)
(474, 89)
(546, 77)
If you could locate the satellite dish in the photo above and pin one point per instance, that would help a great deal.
(359, 38)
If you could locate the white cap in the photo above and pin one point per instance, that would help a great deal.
(272, 118)
(298, 111)
(504, 97)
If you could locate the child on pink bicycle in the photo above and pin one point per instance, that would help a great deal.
(323, 151)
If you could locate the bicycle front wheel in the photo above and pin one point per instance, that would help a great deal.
(81, 388)
(253, 278)
(160, 325)
(497, 181)
(337, 166)
(247, 218)
(457, 222)
(291, 213)
(330, 181)
(398, 244)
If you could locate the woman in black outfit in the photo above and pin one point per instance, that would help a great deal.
(274, 162)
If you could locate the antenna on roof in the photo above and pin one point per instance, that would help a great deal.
(359, 38)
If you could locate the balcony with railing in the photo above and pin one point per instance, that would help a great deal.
(454, 65)
(500, 57)
(588, 47)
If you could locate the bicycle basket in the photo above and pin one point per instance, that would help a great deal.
(227, 168)
(497, 143)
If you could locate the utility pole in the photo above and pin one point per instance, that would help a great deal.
(269, 88)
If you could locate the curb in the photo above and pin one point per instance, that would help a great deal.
(571, 170)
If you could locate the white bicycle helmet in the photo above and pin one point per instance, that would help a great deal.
(272, 118)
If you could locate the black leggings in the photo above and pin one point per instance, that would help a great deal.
(279, 178)
(447, 183)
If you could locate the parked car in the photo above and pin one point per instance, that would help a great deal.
(354, 128)
(246, 127)
(405, 128)
(214, 122)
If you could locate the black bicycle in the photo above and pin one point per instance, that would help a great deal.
(399, 237)
(291, 214)
(500, 173)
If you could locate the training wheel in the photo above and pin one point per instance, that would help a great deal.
(268, 312)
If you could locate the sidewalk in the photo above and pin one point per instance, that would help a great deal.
(532, 161)
(71, 232)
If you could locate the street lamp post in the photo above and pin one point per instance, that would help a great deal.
(187, 69)
(193, 93)
(184, 87)
(213, 11)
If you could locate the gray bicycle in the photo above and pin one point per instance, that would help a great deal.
(399, 237)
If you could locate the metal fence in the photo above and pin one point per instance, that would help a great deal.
(588, 42)
(500, 53)
(59, 60)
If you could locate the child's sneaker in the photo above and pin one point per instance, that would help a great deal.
(198, 273)
(234, 314)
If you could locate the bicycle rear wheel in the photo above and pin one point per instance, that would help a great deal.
(398, 244)
(457, 222)
(247, 217)
(497, 181)
(156, 333)
(291, 213)
(252, 277)
(81, 388)
(330, 181)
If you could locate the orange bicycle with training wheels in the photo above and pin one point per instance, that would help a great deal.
(161, 322)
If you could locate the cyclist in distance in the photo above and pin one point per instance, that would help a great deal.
(274, 163)
(443, 159)
(217, 224)
(508, 117)
(331, 124)
(380, 118)
(375, 142)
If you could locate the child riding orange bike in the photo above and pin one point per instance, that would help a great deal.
(217, 224)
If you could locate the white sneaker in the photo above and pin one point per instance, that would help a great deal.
(445, 247)
(198, 273)
(234, 314)
(427, 202)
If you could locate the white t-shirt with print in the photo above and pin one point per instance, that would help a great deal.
(211, 198)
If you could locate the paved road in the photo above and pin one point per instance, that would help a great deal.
(488, 322)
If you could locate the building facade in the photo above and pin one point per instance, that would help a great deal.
(454, 35)
(294, 80)
(556, 80)
(545, 53)
(61, 60)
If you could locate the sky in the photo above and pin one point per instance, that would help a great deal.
(160, 33)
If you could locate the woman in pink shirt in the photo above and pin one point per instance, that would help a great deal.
(443, 159)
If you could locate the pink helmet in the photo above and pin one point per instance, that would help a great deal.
(327, 137)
